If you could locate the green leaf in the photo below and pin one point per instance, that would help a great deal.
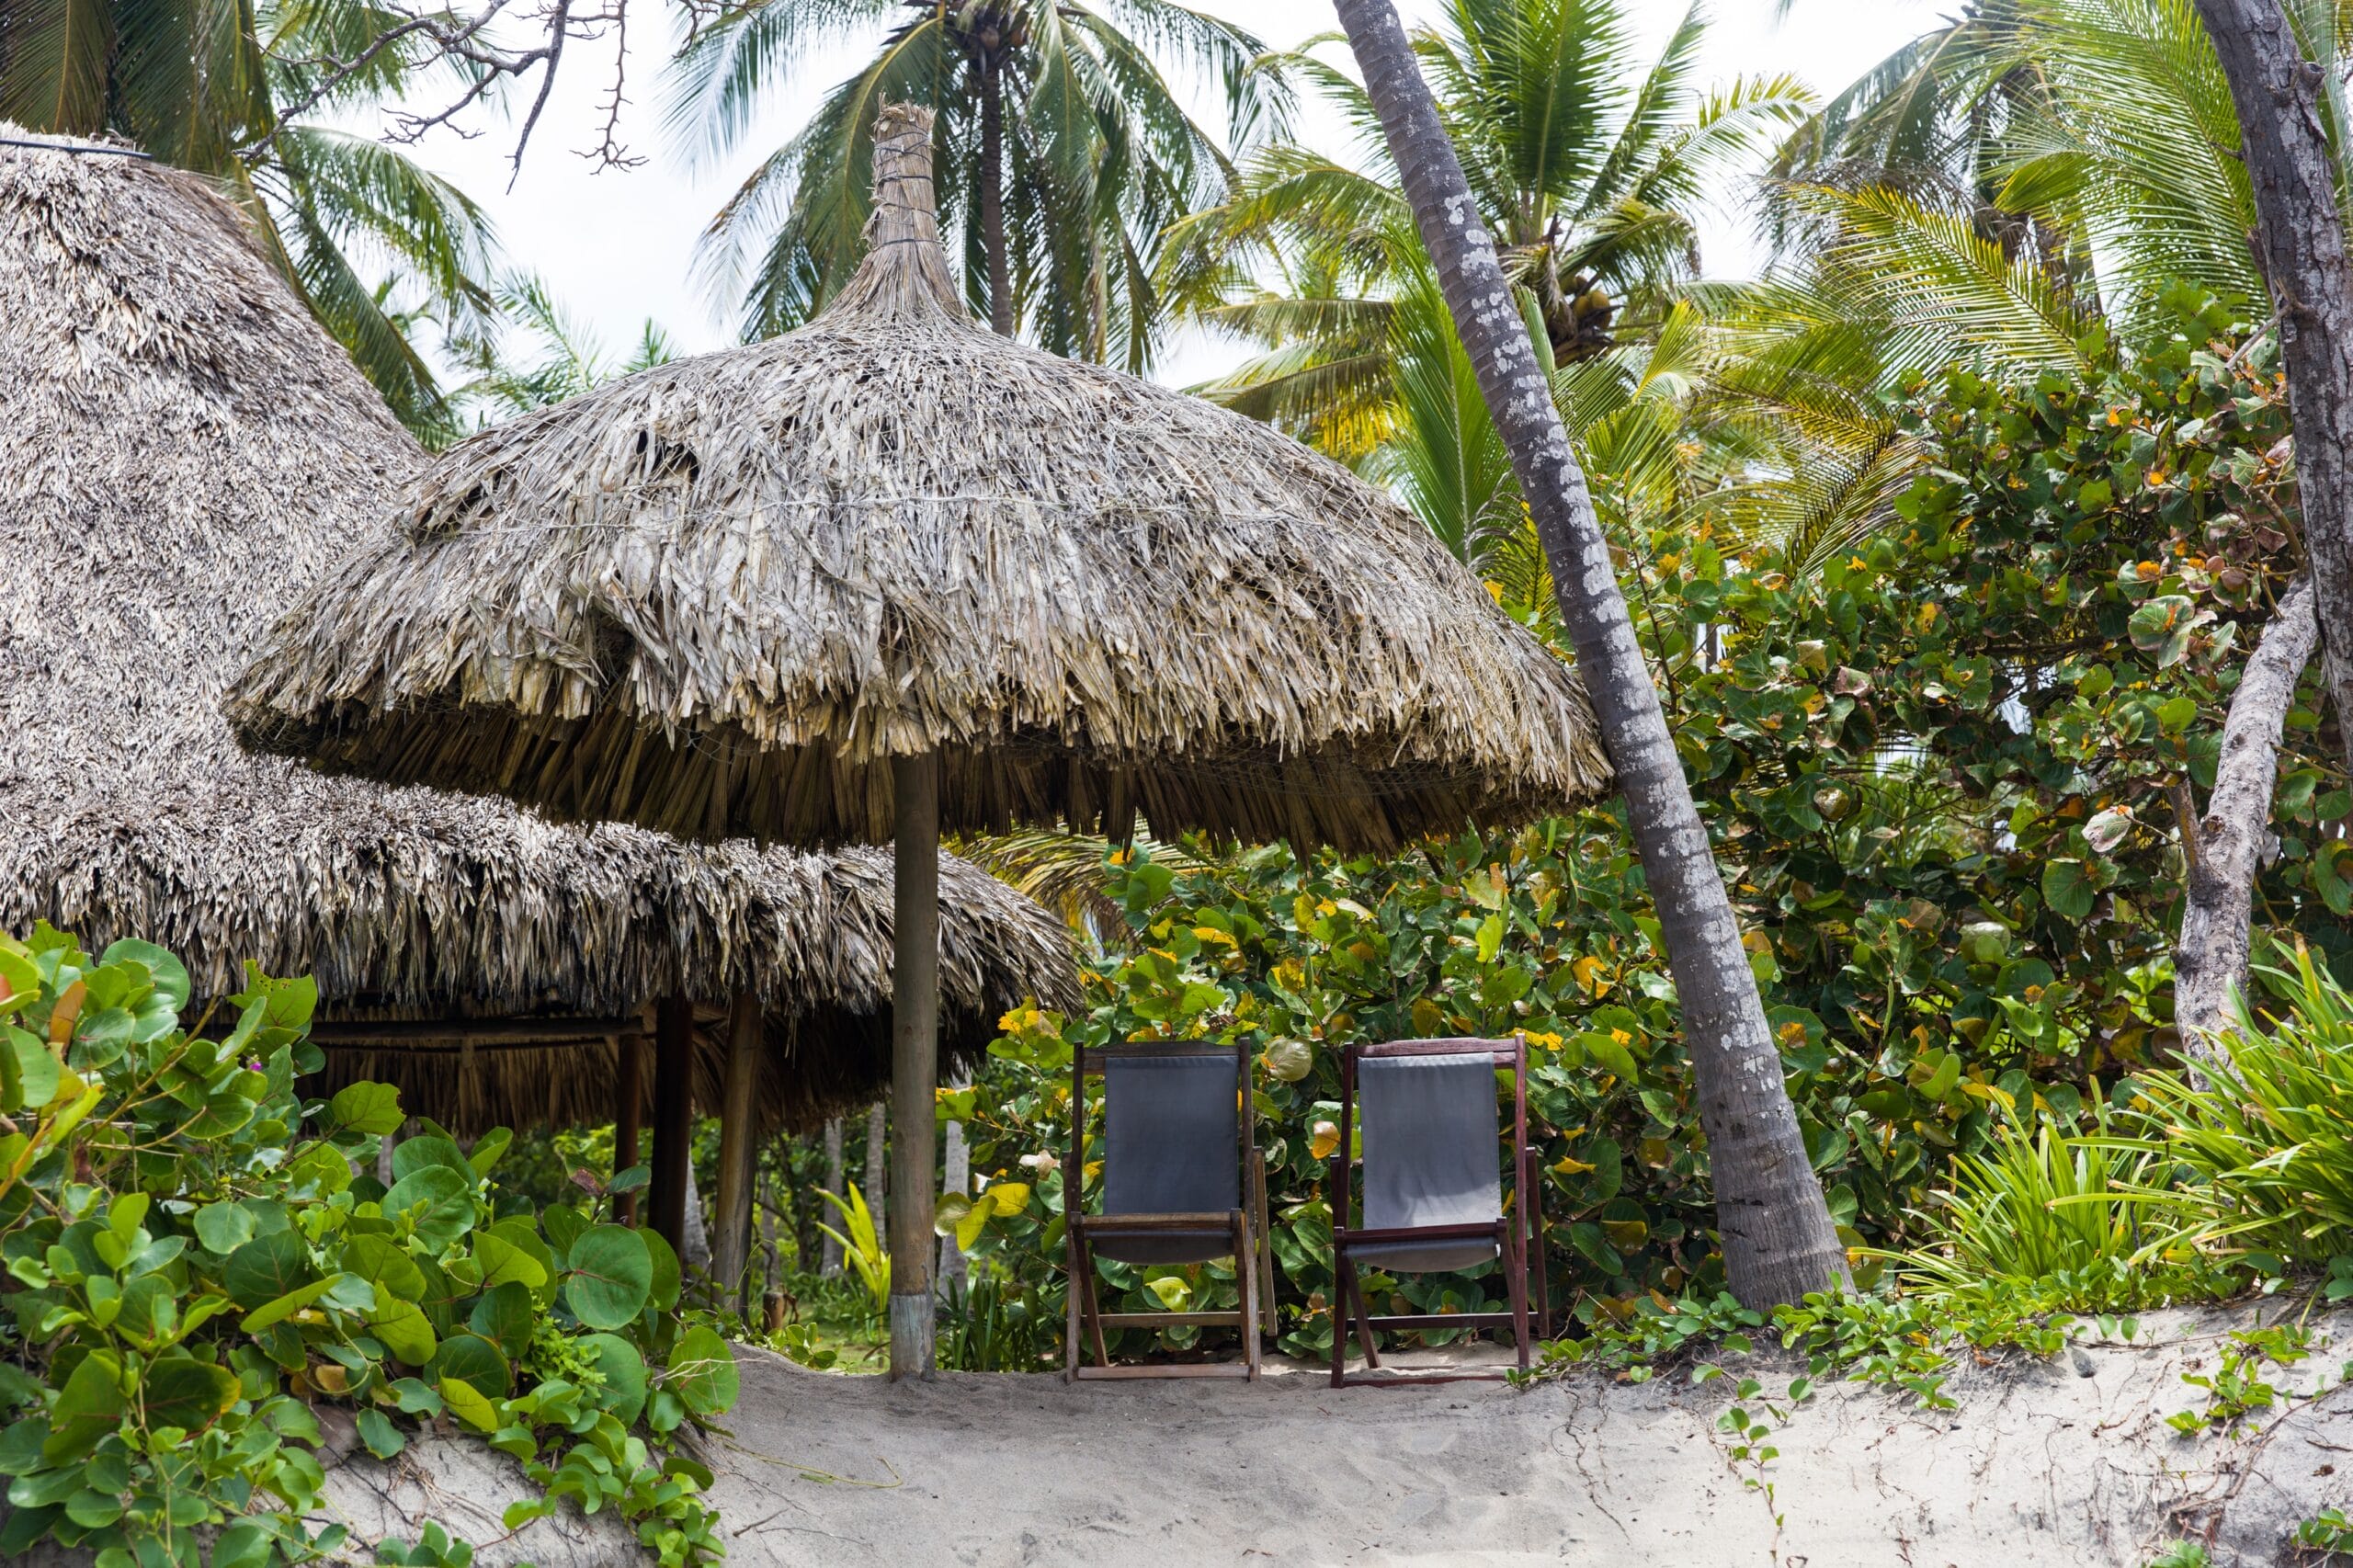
(470, 1406)
(2067, 890)
(180, 1390)
(470, 1359)
(28, 1074)
(404, 1331)
(667, 1278)
(703, 1372)
(624, 1371)
(503, 1263)
(382, 1262)
(267, 1267)
(612, 1277)
(19, 980)
(224, 1227)
(169, 974)
(376, 1430)
(245, 1543)
(287, 1305)
(372, 1109)
(411, 1155)
(487, 1149)
(90, 1407)
(504, 1316)
(443, 1199)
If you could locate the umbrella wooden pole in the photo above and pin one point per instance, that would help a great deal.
(738, 1146)
(629, 1115)
(915, 1058)
(674, 1114)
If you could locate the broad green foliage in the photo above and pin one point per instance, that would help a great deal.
(196, 1269)
(1940, 767)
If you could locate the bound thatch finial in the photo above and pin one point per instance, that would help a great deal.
(905, 271)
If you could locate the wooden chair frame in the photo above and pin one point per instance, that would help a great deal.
(1519, 1234)
(1253, 1255)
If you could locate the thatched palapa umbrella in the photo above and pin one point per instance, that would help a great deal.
(185, 446)
(891, 571)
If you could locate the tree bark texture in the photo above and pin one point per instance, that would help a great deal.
(915, 1058)
(2225, 846)
(1778, 1243)
(2301, 241)
(738, 1143)
(993, 199)
(830, 1259)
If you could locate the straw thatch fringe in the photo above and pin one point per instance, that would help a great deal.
(184, 445)
(718, 596)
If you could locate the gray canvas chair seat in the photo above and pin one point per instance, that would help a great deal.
(1177, 1153)
(1172, 1144)
(1431, 1163)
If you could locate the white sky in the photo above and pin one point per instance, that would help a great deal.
(617, 246)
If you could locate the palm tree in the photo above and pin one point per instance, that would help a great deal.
(1589, 167)
(1777, 1239)
(201, 89)
(565, 360)
(1062, 153)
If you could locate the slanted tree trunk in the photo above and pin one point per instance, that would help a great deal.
(993, 198)
(2301, 241)
(1778, 1240)
(2225, 846)
(831, 1258)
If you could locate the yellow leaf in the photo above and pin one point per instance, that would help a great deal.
(1571, 1165)
(1010, 1196)
(1326, 1139)
(1588, 972)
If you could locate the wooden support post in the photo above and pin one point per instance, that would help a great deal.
(629, 1115)
(915, 1059)
(674, 1118)
(738, 1145)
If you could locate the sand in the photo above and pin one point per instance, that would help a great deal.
(2062, 1462)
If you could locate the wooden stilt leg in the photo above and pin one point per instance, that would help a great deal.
(914, 1061)
(738, 1145)
(674, 1117)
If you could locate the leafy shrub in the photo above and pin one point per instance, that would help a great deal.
(193, 1272)
(2061, 1216)
(2259, 1143)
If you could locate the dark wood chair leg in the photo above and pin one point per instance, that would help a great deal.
(1516, 1272)
(1246, 1319)
(1339, 1321)
(1363, 1318)
(1265, 1261)
(1072, 1293)
(1094, 1308)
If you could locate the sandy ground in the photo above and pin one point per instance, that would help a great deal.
(2067, 1462)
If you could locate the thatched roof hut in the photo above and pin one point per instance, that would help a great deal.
(719, 596)
(184, 446)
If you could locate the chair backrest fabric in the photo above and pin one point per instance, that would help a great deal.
(1430, 1133)
(1172, 1135)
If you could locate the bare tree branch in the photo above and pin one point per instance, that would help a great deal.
(2224, 848)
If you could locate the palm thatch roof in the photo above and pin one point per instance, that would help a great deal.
(718, 595)
(184, 446)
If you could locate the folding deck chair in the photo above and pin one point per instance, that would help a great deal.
(1179, 1154)
(1433, 1199)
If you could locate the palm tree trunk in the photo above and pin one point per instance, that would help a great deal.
(2224, 847)
(1778, 1240)
(2301, 241)
(993, 200)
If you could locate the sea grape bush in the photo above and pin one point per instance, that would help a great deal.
(1941, 764)
(200, 1265)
